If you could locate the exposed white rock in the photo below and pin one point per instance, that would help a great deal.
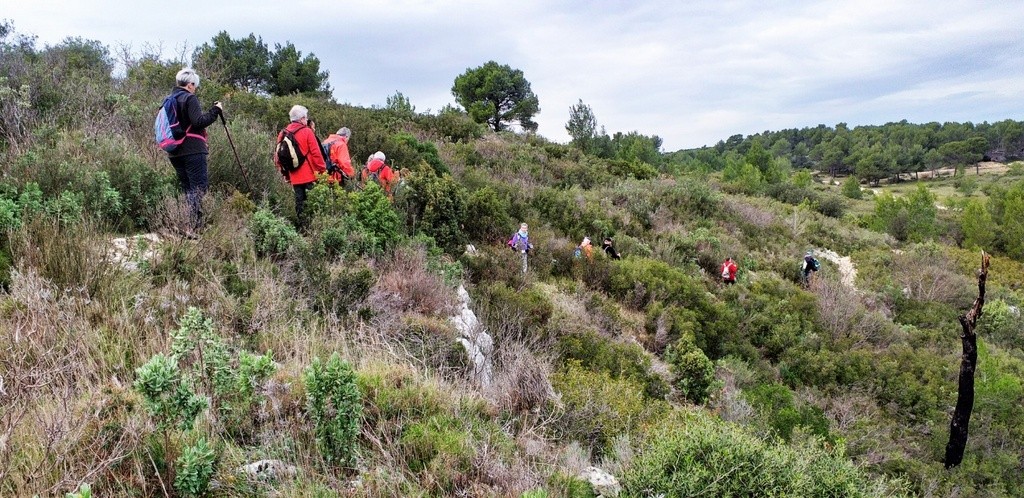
(474, 338)
(130, 251)
(604, 484)
(269, 469)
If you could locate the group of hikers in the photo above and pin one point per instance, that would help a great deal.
(300, 155)
(520, 242)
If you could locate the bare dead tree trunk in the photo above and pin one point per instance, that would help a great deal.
(968, 363)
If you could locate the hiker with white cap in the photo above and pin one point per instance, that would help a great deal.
(377, 170)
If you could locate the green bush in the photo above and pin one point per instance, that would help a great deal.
(618, 360)
(598, 408)
(487, 216)
(693, 374)
(776, 406)
(272, 235)
(524, 313)
(700, 455)
(851, 187)
(334, 403)
(166, 395)
(438, 205)
(194, 469)
(376, 215)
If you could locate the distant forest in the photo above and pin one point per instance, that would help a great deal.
(872, 153)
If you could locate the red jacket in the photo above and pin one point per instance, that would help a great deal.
(383, 171)
(314, 162)
(338, 151)
(729, 267)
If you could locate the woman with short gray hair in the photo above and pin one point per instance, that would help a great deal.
(190, 158)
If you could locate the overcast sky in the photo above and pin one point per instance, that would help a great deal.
(692, 72)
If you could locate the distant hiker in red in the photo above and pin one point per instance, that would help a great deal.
(340, 162)
(729, 271)
(308, 156)
(376, 169)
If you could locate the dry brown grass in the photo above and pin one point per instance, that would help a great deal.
(405, 284)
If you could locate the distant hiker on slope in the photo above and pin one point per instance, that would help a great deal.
(609, 249)
(377, 170)
(729, 271)
(810, 265)
(520, 242)
(584, 249)
(189, 153)
(339, 162)
(299, 157)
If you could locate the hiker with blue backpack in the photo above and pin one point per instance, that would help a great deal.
(181, 131)
(520, 242)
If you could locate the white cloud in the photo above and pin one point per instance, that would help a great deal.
(690, 72)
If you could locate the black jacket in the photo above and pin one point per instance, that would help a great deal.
(192, 118)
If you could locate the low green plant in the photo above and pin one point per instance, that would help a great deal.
(83, 491)
(167, 395)
(194, 469)
(272, 234)
(334, 403)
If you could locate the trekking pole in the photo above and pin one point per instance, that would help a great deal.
(237, 160)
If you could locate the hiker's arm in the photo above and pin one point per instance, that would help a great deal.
(197, 117)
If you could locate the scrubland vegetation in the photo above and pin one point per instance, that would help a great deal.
(166, 368)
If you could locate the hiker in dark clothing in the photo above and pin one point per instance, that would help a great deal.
(189, 158)
(609, 249)
(810, 265)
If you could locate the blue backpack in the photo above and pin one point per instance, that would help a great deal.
(167, 126)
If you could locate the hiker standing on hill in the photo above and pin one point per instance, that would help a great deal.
(311, 159)
(729, 271)
(340, 162)
(190, 158)
(810, 265)
(584, 249)
(377, 169)
(609, 249)
(520, 241)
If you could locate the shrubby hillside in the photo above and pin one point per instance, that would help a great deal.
(259, 360)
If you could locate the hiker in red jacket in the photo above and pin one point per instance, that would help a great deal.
(728, 271)
(302, 179)
(336, 146)
(377, 169)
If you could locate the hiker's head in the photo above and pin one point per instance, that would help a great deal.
(187, 76)
(523, 227)
(298, 113)
(345, 132)
(586, 241)
(607, 241)
(379, 155)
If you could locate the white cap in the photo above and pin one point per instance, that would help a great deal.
(379, 155)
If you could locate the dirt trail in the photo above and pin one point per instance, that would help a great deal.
(847, 272)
